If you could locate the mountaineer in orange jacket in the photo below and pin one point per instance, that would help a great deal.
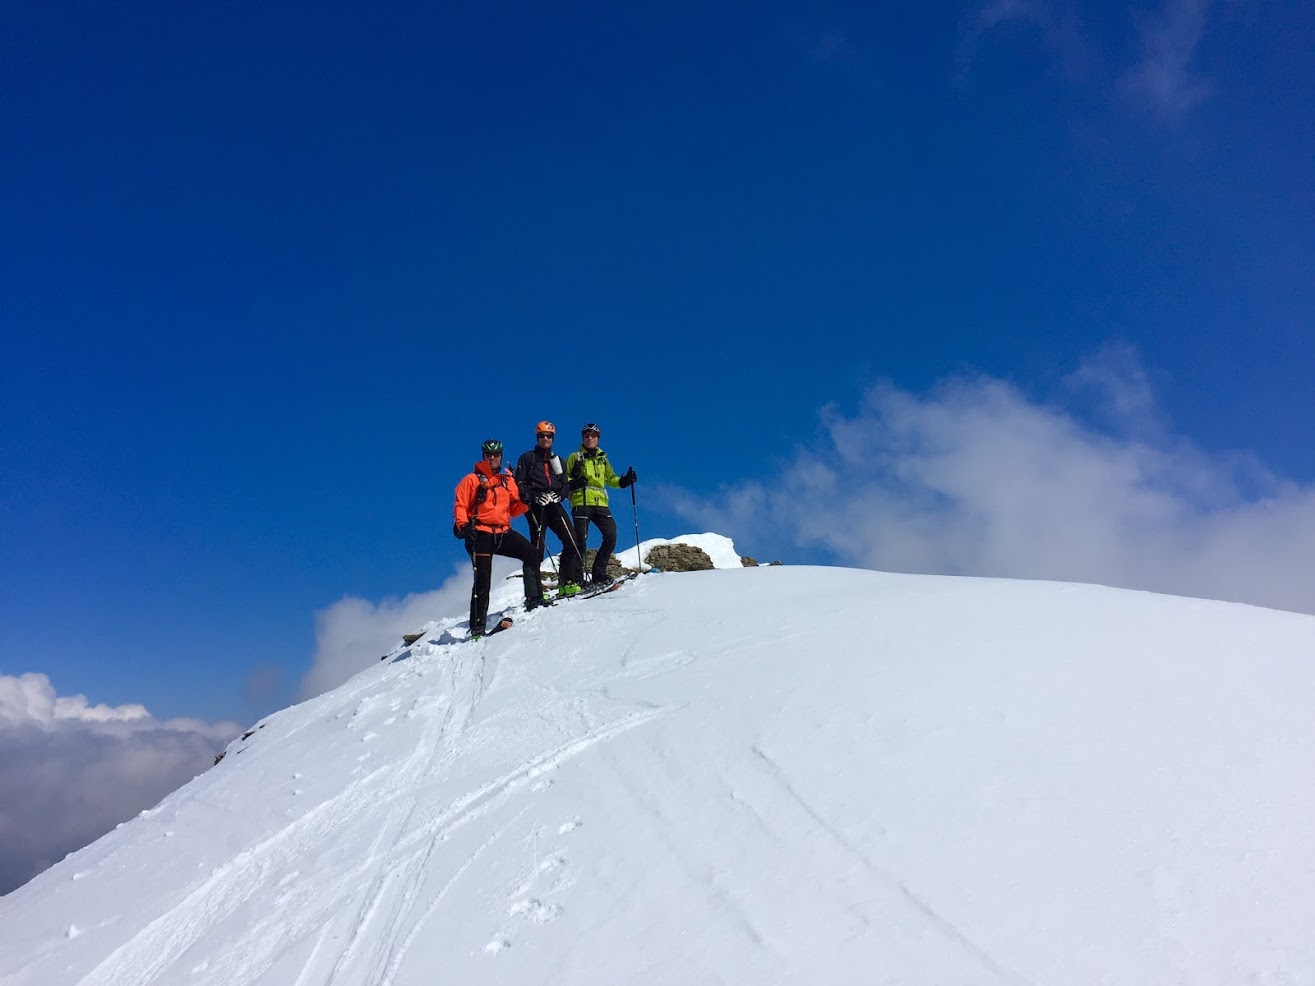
(486, 500)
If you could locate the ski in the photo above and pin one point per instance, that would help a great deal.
(502, 624)
(610, 587)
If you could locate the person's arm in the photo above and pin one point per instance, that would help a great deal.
(610, 477)
(461, 507)
(518, 506)
(575, 470)
(521, 475)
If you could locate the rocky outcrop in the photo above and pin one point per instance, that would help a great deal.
(679, 558)
(614, 567)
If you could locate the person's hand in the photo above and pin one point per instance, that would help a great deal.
(458, 531)
(547, 498)
(577, 470)
(629, 478)
(578, 483)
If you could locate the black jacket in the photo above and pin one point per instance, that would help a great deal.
(534, 475)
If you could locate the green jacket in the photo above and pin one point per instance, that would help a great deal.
(598, 475)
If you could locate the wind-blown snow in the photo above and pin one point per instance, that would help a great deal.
(749, 776)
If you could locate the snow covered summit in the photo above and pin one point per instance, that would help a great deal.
(758, 775)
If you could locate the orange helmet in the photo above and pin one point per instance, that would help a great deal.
(545, 426)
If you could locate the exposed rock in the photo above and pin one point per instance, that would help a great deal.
(614, 568)
(679, 558)
(748, 562)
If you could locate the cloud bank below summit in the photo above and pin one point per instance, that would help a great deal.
(976, 478)
(70, 770)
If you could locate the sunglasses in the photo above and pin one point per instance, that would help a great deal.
(546, 434)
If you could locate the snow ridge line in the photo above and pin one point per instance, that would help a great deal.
(407, 855)
(162, 941)
(153, 948)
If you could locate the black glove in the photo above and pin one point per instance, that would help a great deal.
(628, 478)
(458, 531)
(578, 483)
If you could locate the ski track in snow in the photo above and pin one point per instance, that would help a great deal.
(382, 887)
(939, 922)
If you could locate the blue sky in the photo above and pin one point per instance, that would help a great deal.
(270, 276)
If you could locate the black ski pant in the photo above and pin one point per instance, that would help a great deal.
(510, 544)
(602, 519)
(553, 518)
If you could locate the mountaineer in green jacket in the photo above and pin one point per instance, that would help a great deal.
(590, 475)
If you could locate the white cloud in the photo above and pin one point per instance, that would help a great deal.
(1158, 77)
(977, 479)
(1118, 390)
(354, 632)
(1163, 80)
(30, 698)
(70, 771)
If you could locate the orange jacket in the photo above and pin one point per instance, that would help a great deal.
(502, 500)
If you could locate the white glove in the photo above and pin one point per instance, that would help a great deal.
(544, 499)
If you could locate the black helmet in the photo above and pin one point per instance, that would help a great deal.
(491, 446)
(589, 429)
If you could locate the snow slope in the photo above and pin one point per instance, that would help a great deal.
(754, 776)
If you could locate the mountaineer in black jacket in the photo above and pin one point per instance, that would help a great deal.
(542, 481)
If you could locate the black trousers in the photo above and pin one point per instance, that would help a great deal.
(602, 519)
(509, 544)
(553, 518)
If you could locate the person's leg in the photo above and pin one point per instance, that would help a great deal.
(513, 544)
(572, 568)
(535, 519)
(602, 516)
(580, 517)
(482, 556)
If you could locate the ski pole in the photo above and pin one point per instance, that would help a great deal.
(570, 530)
(542, 543)
(551, 560)
(634, 509)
